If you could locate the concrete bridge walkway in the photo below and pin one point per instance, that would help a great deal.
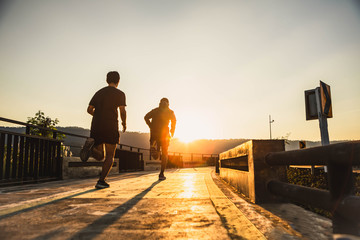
(191, 204)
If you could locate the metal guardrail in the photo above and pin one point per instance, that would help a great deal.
(55, 132)
(182, 159)
(339, 200)
(133, 159)
(27, 159)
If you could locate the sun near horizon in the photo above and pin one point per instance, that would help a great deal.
(191, 127)
(186, 135)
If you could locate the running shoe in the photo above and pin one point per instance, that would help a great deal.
(101, 184)
(85, 152)
(162, 177)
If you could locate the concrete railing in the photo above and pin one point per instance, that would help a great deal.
(244, 168)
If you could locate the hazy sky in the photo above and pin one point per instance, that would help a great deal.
(224, 65)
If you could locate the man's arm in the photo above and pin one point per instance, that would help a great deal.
(91, 110)
(123, 117)
(173, 125)
(147, 119)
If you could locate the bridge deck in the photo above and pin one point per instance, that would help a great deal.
(191, 204)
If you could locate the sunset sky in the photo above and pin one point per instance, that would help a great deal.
(224, 65)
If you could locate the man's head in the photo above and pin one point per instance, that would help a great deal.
(113, 77)
(164, 103)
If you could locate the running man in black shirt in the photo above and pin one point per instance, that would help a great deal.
(159, 130)
(105, 126)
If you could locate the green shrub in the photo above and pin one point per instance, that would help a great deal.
(357, 184)
(303, 177)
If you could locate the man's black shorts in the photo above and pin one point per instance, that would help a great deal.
(105, 136)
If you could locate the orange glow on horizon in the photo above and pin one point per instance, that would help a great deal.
(189, 128)
(187, 139)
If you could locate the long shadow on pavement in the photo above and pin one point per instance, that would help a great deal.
(44, 204)
(99, 225)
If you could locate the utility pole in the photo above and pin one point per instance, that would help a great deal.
(270, 122)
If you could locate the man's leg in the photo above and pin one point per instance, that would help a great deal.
(98, 152)
(154, 149)
(164, 158)
(109, 159)
(86, 150)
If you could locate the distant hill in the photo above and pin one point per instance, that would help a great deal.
(205, 146)
(135, 139)
(141, 140)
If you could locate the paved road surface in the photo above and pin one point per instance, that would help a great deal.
(191, 204)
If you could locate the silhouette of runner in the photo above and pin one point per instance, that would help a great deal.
(159, 131)
(105, 126)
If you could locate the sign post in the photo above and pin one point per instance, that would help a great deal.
(322, 120)
(319, 100)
